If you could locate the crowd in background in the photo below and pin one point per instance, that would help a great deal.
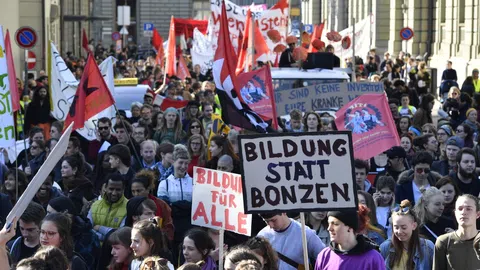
(129, 207)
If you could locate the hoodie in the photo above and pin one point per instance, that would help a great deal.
(86, 242)
(363, 256)
(404, 189)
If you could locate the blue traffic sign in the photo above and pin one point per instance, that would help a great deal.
(26, 37)
(148, 27)
(406, 33)
(308, 28)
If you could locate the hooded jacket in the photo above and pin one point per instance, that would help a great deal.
(86, 242)
(404, 189)
(364, 255)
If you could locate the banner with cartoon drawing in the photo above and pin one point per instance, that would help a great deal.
(257, 92)
(370, 120)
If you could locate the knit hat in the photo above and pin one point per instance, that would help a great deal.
(414, 130)
(349, 217)
(447, 129)
(132, 205)
(475, 70)
(456, 141)
(469, 111)
(63, 204)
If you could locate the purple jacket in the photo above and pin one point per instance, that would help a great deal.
(363, 256)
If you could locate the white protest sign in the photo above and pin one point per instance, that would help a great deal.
(275, 18)
(63, 84)
(362, 39)
(202, 52)
(298, 172)
(217, 201)
(7, 128)
(322, 96)
(55, 155)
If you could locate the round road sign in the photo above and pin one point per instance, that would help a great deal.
(116, 36)
(31, 60)
(26, 37)
(406, 33)
(346, 42)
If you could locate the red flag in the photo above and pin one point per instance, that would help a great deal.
(157, 43)
(257, 92)
(234, 109)
(85, 41)
(370, 120)
(92, 96)
(260, 45)
(12, 77)
(317, 34)
(166, 103)
(157, 40)
(182, 71)
(171, 67)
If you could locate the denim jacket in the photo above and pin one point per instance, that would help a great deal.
(427, 246)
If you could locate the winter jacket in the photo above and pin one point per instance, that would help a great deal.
(86, 242)
(404, 189)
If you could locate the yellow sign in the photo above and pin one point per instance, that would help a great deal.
(125, 81)
(295, 11)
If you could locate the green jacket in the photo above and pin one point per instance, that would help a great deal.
(109, 215)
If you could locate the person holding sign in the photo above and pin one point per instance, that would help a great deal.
(349, 249)
(284, 234)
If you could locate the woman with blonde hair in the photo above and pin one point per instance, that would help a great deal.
(429, 211)
(197, 148)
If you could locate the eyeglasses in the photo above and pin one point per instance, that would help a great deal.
(48, 234)
(194, 127)
(422, 170)
(103, 128)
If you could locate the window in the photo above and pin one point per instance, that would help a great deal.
(201, 9)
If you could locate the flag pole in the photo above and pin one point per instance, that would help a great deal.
(129, 137)
(251, 44)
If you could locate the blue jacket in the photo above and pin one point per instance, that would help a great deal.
(441, 166)
(424, 263)
(404, 189)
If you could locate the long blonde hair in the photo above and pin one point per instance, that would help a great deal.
(421, 206)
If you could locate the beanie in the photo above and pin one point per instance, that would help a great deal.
(132, 206)
(347, 216)
(63, 204)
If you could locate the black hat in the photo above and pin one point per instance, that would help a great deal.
(193, 103)
(63, 204)
(132, 206)
(396, 152)
(347, 216)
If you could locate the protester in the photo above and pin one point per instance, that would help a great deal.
(348, 249)
(281, 229)
(450, 192)
(456, 250)
(14, 178)
(238, 254)
(197, 246)
(197, 150)
(122, 254)
(55, 231)
(120, 161)
(406, 250)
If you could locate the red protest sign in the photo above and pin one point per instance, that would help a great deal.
(217, 201)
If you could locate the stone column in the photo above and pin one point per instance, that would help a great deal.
(396, 23)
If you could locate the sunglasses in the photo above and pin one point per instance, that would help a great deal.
(103, 128)
(194, 126)
(422, 170)
(459, 131)
(401, 210)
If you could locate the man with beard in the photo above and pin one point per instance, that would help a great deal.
(465, 177)
(38, 112)
(26, 245)
(103, 134)
(109, 212)
(445, 166)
